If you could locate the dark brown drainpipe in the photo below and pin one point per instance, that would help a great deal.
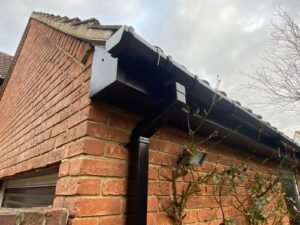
(139, 151)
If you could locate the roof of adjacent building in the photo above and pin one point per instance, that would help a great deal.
(5, 62)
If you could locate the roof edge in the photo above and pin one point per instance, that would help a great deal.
(89, 30)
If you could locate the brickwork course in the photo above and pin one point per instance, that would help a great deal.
(47, 118)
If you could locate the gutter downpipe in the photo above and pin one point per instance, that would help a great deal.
(139, 146)
(173, 99)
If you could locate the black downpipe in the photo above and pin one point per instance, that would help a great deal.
(139, 154)
(142, 180)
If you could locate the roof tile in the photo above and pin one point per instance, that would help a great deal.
(90, 30)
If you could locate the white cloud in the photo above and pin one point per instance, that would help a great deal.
(253, 26)
(227, 13)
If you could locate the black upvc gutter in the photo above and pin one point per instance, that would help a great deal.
(126, 40)
(139, 145)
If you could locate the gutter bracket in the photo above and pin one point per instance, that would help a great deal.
(139, 144)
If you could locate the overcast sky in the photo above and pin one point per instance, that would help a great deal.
(209, 37)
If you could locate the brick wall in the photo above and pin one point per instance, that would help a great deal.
(47, 118)
(106, 169)
(45, 101)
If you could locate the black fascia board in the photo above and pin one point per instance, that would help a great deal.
(126, 44)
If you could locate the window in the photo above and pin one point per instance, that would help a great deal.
(36, 189)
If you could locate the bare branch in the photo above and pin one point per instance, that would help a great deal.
(277, 79)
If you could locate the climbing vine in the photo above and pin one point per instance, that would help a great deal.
(258, 196)
(179, 198)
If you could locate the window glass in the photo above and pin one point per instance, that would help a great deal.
(36, 189)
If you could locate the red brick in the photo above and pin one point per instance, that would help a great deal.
(58, 202)
(159, 188)
(164, 202)
(231, 212)
(207, 166)
(94, 147)
(196, 202)
(165, 173)
(94, 206)
(152, 204)
(167, 133)
(122, 121)
(84, 101)
(7, 218)
(53, 156)
(56, 216)
(77, 118)
(158, 219)
(107, 132)
(98, 167)
(117, 151)
(86, 146)
(161, 158)
(78, 186)
(191, 176)
(153, 173)
(64, 168)
(112, 220)
(154, 143)
(190, 217)
(98, 113)
(87, 221)
(169, 147)
(115, 187)
(243, 220)
(206, 214)
(31, 218)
